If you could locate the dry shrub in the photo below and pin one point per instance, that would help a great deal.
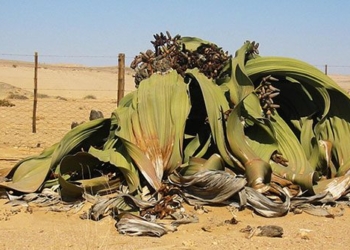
(6, 103)
(12, 95)
(61, 98)
(90, 97)
(43, 96)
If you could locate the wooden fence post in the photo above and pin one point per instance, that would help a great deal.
(121, 76)
(35, 91)
(326, 69)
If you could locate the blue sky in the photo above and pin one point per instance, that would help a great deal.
(314, 31)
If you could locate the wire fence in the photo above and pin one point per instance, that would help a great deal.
(66, 93)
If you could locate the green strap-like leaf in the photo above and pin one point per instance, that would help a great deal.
(196, 164)
(82, 164)
(258, 130)
(192, 43)
(195, 148)
(92, 133)
(85, 168)
(126, 101)
(152, 128)
(121, 160)
(332, 126)
(257, 170)
(29, 174)
(144, 164)
(239, 84)
(299, 169)
(179, 110)
(215, 104)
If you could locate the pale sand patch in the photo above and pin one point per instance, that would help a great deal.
(65, 80)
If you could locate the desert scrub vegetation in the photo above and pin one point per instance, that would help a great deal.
(16, 96)
(6, 103)
(89, 97)
(43, 96)
(61, 98)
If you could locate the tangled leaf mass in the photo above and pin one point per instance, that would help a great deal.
(206, 128)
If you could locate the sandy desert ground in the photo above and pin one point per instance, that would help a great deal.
(64, 92)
